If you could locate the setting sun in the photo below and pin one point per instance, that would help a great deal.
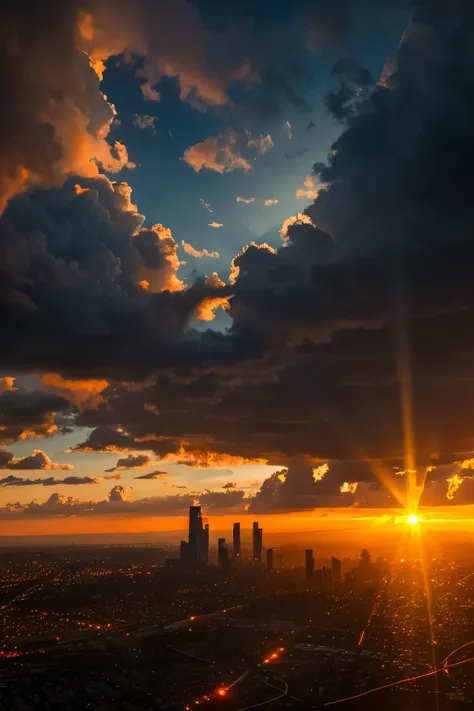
(412, 519)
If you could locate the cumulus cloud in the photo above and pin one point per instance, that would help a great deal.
(37, 460)
(58, 119)
(245, 201)
(289, 130)
(269, 202)
(310, 190)
(227, 152)
(189, 249)
(216, 225)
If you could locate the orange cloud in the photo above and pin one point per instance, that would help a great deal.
(171, 38)
(298, 219)
(189, 249)
(216, 225)
(309, 191)
(37, 460)
(204, 458)
(454, 483)
(214, 280)
(245, 201)
(7, 384)
(227, 152)
(206, 310)
(159, 274)
(270, 202)
(349, 487)
(81, 393)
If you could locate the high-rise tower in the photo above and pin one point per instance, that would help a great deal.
(309, 566)
(336, 570)
(195, 532)
(236, 541)
(257, 538)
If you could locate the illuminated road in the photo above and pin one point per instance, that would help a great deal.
(407, 680)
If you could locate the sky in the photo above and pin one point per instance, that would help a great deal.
(235, 262)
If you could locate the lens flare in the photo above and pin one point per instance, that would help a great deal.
(412, 519)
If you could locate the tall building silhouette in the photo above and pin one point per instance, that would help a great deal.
(270, 558)
(222, 554)
(236, 541)
(196, 550)
(336, 570)
(309, 566)
(257, 538)
(195, 531)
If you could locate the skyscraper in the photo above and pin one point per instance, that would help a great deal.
(236, 541)
(195, 532)
(270, 558)
(309, 566)
(336, 570)
(257, 541)
(222, 554)
(196, 550)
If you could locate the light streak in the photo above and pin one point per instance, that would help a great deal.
(458, 649)
(237, 680)
(407, 680)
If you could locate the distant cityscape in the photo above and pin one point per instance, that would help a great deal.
(142, 628)
(194, 553)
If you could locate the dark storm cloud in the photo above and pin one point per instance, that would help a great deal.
(29, 413)
(97, 281)
(310, 365)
